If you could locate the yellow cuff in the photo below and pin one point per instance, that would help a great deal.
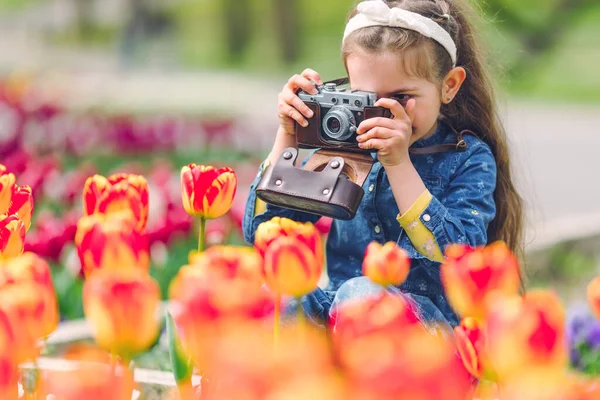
(415, 210)
(260, 206)
(419, 235)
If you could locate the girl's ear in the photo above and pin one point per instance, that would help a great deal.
(452, 83)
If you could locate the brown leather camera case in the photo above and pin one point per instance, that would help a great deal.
(328, 185)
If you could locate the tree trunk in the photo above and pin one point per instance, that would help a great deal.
(288, 24)
(237, 22)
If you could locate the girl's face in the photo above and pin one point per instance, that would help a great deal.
(384, 74)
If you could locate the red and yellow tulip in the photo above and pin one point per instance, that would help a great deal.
(291, 267)
(111, 242)
(230, 262)
(30, 268)
(8, 363)
(207, 192)
(118, 192)
(122, 307)
(386, 265)
(306, 233)
(12, 236)
(471, 275)
(526, 334)
(7, 187)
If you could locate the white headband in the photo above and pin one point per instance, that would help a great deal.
(376, 12)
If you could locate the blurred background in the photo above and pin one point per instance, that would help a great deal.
(147, 86)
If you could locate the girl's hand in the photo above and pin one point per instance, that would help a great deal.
(290, 108)
(391, 137)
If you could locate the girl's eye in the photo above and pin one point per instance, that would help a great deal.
(402, 98)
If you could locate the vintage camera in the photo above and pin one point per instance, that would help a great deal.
(337, 114)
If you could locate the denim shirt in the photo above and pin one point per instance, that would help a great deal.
(462, 185)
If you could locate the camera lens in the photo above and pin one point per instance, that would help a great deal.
(334, 125)
(339, 124)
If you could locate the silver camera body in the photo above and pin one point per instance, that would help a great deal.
(343, 110)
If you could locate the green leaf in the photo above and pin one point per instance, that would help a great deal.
(181, 365)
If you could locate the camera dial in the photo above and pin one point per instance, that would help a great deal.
(339, 123)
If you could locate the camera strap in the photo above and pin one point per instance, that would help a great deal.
(459, 146)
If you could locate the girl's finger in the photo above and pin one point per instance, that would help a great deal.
(313, 75)
(290, 98)
(376, 133)
(371, 123)
(299, 82)
(410, 109)
(372, 144)
(285, 110)
(394, 106)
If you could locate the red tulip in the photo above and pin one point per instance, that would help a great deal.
(207, 192)
(471, 346)
(593, 296)
(386, 265)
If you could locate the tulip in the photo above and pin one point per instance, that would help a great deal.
(471, 344)
(387, 354)
(291, 267)
(207, 192)
(88, 380)
(27, 306)
(593, 296)
(12, 236)
(30, 268)
(121, 307)
(205, 302)
(111, 242)
(471, 275)
(230, 262)
(526, 334)
(117, 193)
(270, 230)
(386, 265)
(22, 204)
(7, 184)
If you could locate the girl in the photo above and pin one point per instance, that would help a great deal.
(421, 59)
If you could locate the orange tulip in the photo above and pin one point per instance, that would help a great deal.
(593, 296)
(29, 267)
(111, 242)
(121, 307)
(386, 265)
(12, 236)
(117, 193)
(207, 192)
(526, 334)
(471, 345)
(291, 267)
(87, 380)
(470, 276)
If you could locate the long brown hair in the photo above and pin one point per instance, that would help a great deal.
(474, 106)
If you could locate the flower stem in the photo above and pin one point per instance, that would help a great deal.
(201, 235)
(277, 318)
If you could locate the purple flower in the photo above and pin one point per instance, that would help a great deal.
(592, 335)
